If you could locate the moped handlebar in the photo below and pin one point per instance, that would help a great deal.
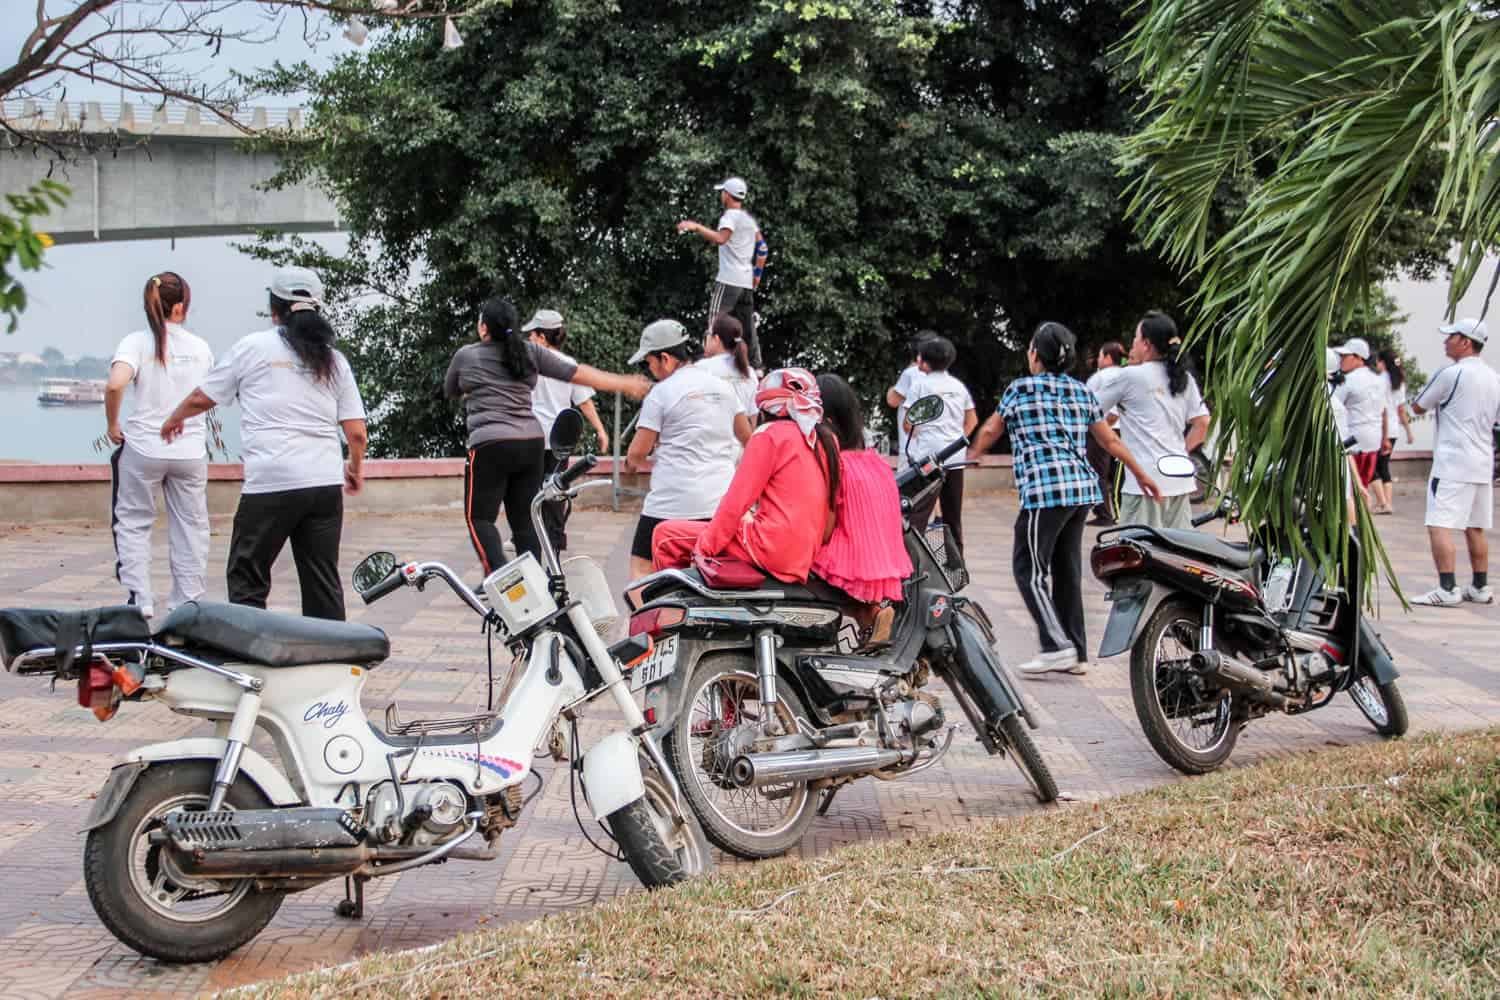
(391, 583)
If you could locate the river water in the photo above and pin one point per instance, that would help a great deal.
(30, 432)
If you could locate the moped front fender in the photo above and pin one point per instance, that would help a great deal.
(259, 771)
(1374, 658)
(1134, 600)
(612, 774)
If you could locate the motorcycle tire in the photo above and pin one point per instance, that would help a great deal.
(1175, 617)
(658, 851)
(710, 795)
(137, 911)
(1020, 748)
(1382, 704)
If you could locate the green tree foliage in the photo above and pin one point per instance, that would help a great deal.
(1363, 125)
(949, 166)
(21, 246)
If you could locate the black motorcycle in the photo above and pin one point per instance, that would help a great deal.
(1219, 635)
(768, 703)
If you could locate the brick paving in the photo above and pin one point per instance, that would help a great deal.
(54, 756)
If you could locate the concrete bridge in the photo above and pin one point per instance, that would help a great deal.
(145, 172)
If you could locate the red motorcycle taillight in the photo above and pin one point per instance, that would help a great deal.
(655, 621)
(1111, 559)
(97, 690)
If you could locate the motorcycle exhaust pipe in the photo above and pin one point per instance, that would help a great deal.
(754, 770)
(285, 863)
(1240, 677)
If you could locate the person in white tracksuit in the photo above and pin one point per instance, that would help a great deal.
(163, 363)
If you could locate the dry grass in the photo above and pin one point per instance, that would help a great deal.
(1370, 871)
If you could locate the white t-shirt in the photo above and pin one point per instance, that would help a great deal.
(1466, 398)
(737, 254)
(903, 386)
(551, 396)
(743, 386)
(158, 390)
(1364, 395)
(1101, 378)
(289, 423)
(1394, 400)
(692, 413)
(1153, 422)
(933, 437)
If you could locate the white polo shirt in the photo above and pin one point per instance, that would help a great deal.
(1466, 398)
(1153, 422)
(550, 396)
(931, 438)
(160, 387)
(1364, 395)
(1101, 378)
(692, 413)
(737, 254)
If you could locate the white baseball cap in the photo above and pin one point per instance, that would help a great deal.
(659, 336)
(735, 186)
(543, 319)
(297, 284)
(1330, 361)
(1470, 327)
(1355, 346)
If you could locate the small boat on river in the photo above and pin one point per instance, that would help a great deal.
(71, 392)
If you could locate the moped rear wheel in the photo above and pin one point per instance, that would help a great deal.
(1382, 704)
(1189, 724)
(721, 716)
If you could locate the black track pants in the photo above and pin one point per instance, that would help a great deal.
(502, 472)
(1047, 558)
(312, 519)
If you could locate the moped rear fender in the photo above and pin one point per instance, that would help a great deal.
(259, 771)
(1374, 658)
(612, 774)
(1134, 599)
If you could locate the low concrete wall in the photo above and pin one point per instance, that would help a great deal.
(38, 494)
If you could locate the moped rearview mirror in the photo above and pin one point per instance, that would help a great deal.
(924, 411)
(1176, 466)
(372, 569)
(566, 430)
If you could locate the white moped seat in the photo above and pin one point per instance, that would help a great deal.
(269, 639)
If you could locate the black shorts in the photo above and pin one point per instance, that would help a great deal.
(640, 545)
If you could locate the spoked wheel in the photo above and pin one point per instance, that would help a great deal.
(658, 849)
(1189, 724)
(720, 720)
(1028, 759)
(140, 892)
(1382, 704)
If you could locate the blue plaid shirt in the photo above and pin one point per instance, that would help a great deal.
(1048, 417)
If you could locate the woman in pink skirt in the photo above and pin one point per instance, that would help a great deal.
(866, 555)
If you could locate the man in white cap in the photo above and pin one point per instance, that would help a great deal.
(1460, 496)
(551, 396)
(1363, 396)
(742, 257)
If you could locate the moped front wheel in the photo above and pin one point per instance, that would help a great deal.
(658, 849)
(1382, 704)
(141, 894)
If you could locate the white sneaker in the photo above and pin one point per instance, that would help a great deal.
(1061, 660)
(1437, 597)
(1479, 595)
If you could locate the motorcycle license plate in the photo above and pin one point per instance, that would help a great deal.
(661, 663)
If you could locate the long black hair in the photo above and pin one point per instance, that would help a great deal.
(841, 412)
(1055, 345)
(498, 314)
(1392, 362)
(307, 332)
(731, 333)
(163, 292)
(1161, 333)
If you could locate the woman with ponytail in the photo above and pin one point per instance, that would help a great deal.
(495, 378)
(296, 394)
(1161, 413)
(1050, 414)
(163, 362)
(727, 356)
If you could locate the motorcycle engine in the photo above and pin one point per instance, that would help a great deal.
(434, 809)
(915, 715)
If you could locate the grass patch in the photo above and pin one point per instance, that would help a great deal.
(1371, 871)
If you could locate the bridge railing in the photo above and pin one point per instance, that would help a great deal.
(144, 119)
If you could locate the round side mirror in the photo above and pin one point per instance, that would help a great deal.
(925, 410)
(566, 430)
(1176, 466)
(372, 569)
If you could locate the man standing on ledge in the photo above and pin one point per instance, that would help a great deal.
(1466, 398)
(742, 256)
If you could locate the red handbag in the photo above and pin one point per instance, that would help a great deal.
(728, 573)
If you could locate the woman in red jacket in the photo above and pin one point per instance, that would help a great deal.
(779, 508)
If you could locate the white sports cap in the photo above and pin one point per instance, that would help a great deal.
(659, 336)
(1355, 346)
(1470, 327)
(543, 319)
(735, 186)
(297, 285)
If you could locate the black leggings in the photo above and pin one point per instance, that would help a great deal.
(508, 472)
(1049, 542)
(1383, 464)
(952, 505)
(312, 519)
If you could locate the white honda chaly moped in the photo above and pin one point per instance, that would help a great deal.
(192, 844)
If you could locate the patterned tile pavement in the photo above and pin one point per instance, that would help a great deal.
(54, 756)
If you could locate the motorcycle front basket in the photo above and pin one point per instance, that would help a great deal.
(944, 546)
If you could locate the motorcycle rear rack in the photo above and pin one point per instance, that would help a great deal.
(425, 727)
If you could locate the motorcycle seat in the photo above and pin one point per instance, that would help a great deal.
(269, 639)
(1236, 555)
(736, 574)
